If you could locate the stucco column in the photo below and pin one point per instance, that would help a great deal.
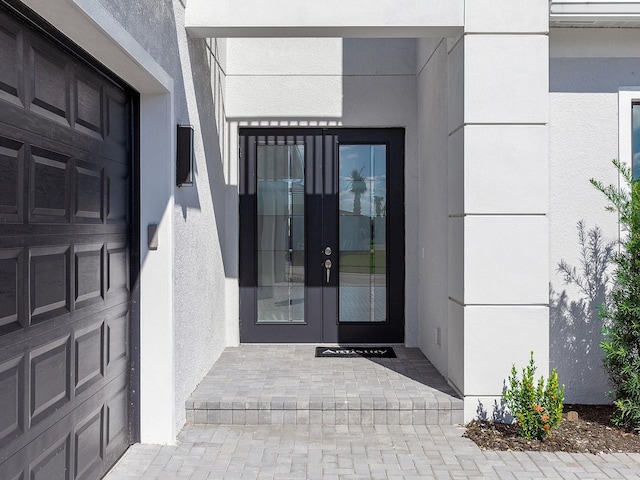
(498, 196)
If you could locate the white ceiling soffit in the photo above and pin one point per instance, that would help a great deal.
(604, 13)
(328, 18)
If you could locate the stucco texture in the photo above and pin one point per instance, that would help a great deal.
(583, 141)
(199, 211)
(433, 199)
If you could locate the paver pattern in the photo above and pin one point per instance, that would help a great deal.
(282, 414)
(354, 452)
(286, 384)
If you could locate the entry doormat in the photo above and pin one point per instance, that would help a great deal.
(367, 352)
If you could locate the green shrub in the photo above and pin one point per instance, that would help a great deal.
(536, 407)
(621, 314)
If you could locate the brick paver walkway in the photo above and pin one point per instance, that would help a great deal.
(276, 412)
(354, 452)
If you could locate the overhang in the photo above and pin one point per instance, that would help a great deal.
(329, 18)
(605, 13)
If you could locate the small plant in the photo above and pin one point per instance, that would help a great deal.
(621, 315)
(537, 408)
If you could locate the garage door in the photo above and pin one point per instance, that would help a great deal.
(65, 209)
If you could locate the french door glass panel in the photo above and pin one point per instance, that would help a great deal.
(321, 245)
(362, 233)
(280, 229)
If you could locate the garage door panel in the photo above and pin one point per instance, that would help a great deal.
(49, 186)
(61, 370)
(54, 462)
(19, 476)
(118, 194)
(65, 200)
(11, 181)
(89, 443)
(80, 437)
(117, 420)
(45, 235)
(59, 290)
(89, 193)
(11, 55)
(12, 233)
(89, 103)
(50, 375)
(90, 439)
(89, 356)
(118, 268)
(90, 274)
(49, 85)
(117, 341)
(114, 400)
(11, 290)
(12, 413)
(58, 138)
(49, 282)
(117, 130)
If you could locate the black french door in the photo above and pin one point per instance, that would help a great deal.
(322, 235)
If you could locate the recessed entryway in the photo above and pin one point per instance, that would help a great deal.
(322, 235)
(287, 384)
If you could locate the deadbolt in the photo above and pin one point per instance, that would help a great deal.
(327, 251)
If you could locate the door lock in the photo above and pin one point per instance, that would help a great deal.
(327, 265)
(327, 251)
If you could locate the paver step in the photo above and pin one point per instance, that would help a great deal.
(287, 385)
(326, 412)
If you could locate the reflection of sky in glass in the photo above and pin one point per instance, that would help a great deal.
(636, 140)
(371, 162)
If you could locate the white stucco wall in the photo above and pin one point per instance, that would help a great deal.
(198, 214)
(498, 197)
(331, 82)
(433, 211)
(199, 226)
(587, 69)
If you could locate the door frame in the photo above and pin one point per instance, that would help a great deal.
(321, 149)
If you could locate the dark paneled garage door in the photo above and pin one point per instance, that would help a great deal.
(65, 198)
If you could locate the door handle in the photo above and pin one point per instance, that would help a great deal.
(327, 265)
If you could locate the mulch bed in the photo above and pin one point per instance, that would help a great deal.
(591, 433)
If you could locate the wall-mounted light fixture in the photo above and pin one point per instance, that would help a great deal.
(184, 156)
(152, 236)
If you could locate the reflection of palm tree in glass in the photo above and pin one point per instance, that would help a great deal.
(380, 207)
(358, 187)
